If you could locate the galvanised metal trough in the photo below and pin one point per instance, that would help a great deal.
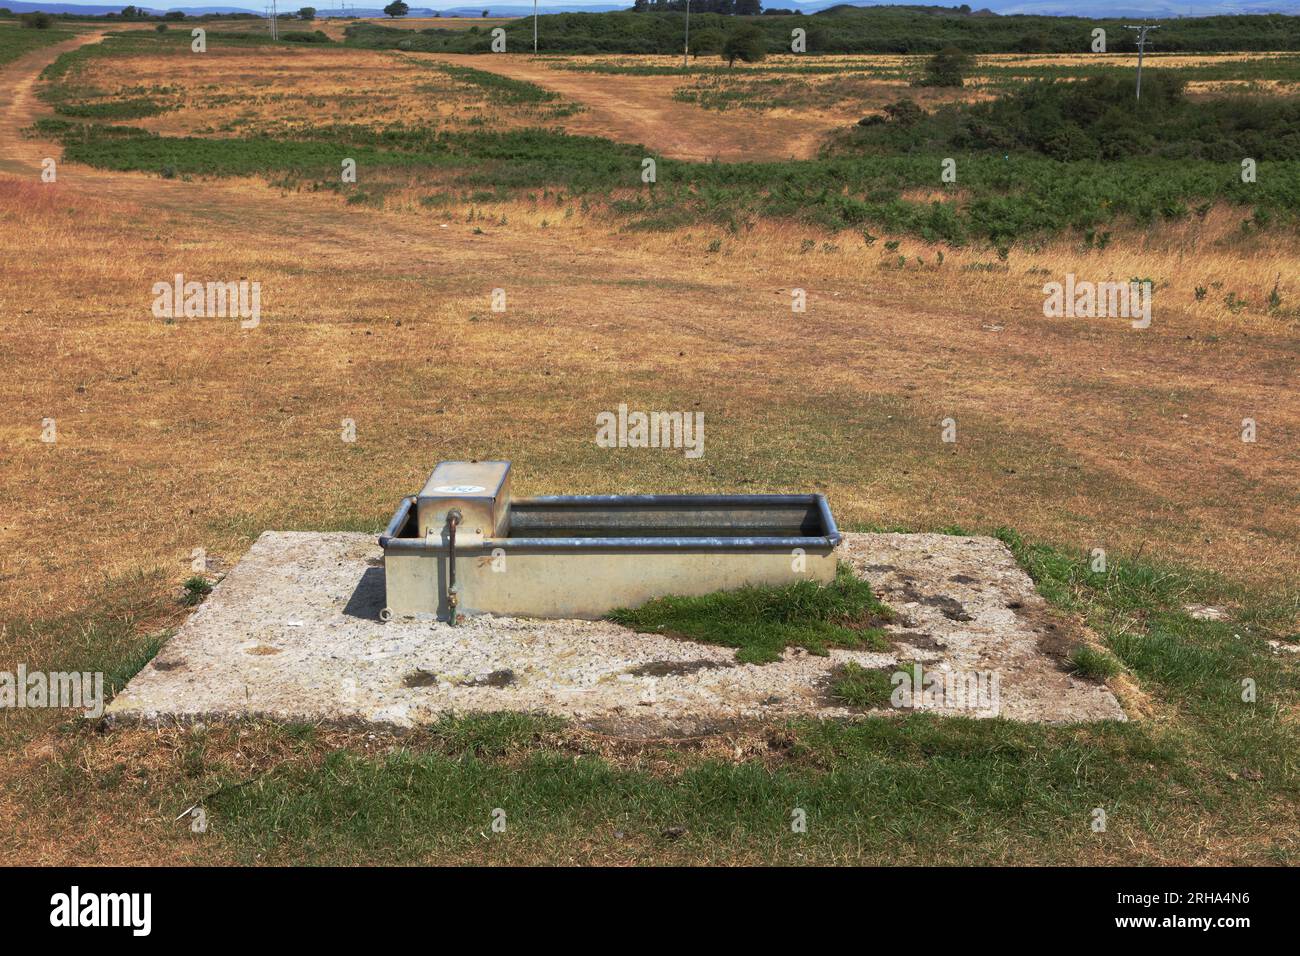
(464, 546)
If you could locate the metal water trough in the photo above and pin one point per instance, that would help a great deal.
(464, 546)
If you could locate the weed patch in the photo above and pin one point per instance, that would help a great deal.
(761, 622)
(859, 686)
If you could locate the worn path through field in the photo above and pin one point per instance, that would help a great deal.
(640, 109)
(20, 107)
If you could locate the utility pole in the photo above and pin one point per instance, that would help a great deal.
(534, 26)
(1142, 49)
(686, 53)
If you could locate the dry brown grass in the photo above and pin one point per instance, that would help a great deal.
(279, 91)
(175, 436)
(178, 436)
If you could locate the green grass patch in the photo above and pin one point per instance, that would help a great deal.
(761, 622)
(131, 148)
(886, 790)
(1093, 664)
(913, 788)
(500, 89)
(16, 41)
(859, 686)
(196, 588)
(131, 108)
(1015, 199)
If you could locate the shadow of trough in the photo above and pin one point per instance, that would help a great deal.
(368, 599)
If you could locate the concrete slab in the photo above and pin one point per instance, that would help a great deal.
(293, 632)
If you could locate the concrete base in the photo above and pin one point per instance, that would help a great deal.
(293, 632)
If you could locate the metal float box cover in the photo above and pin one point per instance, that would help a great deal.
(479, 490)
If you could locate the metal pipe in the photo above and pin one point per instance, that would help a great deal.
(717, 500)
(829, 537)
(453, 519)
(820, 542)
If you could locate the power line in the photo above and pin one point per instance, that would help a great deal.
(686, 52)
(1142, 49)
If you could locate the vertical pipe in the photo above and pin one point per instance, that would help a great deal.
(453, 519)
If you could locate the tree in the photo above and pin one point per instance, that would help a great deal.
(307, 13)
(35, 21)
(948, 67)
(748, 8)
(397, 9)
(745, 43)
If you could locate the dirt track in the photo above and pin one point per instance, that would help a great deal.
(17, 85)
(640, 109)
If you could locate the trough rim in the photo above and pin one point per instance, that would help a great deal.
(828, 541)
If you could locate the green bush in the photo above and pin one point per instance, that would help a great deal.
(1098, 118)
(316, 36)
(905, 113)
(948, 67)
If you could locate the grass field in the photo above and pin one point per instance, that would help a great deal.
(479, 173)
(15, 40)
